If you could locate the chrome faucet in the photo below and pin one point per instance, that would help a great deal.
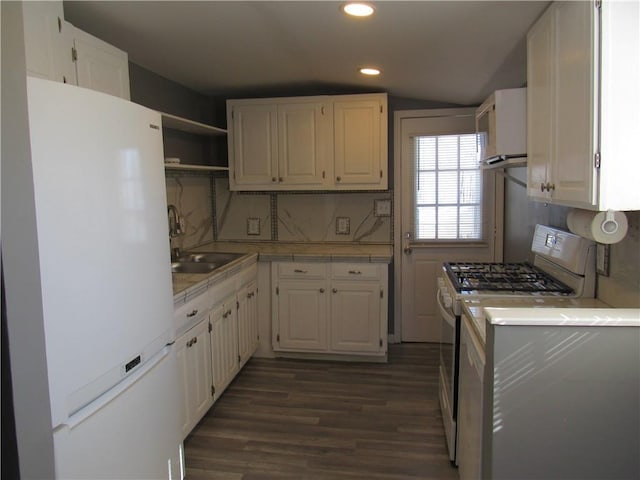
(175, 228)
(174, 223)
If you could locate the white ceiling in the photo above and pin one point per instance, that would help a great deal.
(442, 51)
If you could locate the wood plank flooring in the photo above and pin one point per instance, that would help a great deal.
(318, 420)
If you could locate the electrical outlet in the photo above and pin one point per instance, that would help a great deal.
(253, 226)
(342, 225)
(382, 208)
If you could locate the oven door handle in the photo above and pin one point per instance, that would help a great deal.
(446, 313)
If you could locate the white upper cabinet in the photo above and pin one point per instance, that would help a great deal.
(58, 51)
(278, 146)
(360, 148)
(308, 143)
(48, 42)
(101, 66)
(582, 105)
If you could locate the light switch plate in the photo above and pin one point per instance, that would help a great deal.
(253, 226)
(342, 225)
(382, 208)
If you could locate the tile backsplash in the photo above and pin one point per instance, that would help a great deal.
(213, 212)
(191, 195)
(622, 287)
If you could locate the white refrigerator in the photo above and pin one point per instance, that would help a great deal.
(106, 284)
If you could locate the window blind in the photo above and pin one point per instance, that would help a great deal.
(448, 188)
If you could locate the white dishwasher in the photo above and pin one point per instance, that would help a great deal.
(472, 361)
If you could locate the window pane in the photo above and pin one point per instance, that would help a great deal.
(426, 151)
(426, 223)
(426, 188)
(470, 222)
(468, 155)
(470, 186)
(448, 151)
(448, 187)
(447, 223)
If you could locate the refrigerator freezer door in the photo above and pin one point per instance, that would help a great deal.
(127, 434)
(102, 237)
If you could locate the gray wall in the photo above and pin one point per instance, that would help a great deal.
(20, 262)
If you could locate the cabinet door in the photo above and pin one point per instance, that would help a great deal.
(247, 322)
(539, 105)
(101, 66)
(301, 318)
(224, 345)
(253, 146)
(48, 43)
(303, 143)
(194, 360)
(573, 169)
(360, 150)
(355, 316)
(185, 386)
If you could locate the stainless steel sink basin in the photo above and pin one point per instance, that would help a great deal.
(220, 258)
(193, 267)
(204, 262)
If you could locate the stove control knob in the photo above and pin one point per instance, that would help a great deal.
(446, 299)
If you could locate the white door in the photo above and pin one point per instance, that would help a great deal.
(431, 227)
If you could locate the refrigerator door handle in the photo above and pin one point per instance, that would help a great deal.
(87, 411)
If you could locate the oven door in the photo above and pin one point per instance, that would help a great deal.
(448, 366)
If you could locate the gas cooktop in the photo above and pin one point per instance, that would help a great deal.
(505, 277)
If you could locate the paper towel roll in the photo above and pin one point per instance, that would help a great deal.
(601, 227)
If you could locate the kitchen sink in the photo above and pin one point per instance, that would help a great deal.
(193, 267)
(204, 262)
(220, 258)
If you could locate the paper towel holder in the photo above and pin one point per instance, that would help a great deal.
(609, 224)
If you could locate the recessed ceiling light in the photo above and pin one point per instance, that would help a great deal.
(358, 9)
(369, 71)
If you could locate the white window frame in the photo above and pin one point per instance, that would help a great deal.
(437, 201)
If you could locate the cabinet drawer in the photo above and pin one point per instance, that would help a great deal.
(355, 271)
(190, 313)
(302, 270)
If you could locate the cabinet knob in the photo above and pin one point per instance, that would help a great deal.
(334, 290)
(273, 179)
(542, 187)
(337, 179)
(355, 272)
(551, 187)
(322, 290)
(192, 313)
(280, 179)
(195, 339)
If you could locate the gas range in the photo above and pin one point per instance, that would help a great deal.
(474, 277)
(563, 268)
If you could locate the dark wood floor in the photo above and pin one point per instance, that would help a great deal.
(294, 419)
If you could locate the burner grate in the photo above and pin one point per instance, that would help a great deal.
(513, 277)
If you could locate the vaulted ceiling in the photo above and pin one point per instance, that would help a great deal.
(442, 51)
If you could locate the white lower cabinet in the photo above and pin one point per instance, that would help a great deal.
(194, 360)
(248, 337)
(224, 344)
(338, 308)
(221, 335)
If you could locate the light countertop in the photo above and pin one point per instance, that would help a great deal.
(475, 308)
(306, 252)
(186, 285)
